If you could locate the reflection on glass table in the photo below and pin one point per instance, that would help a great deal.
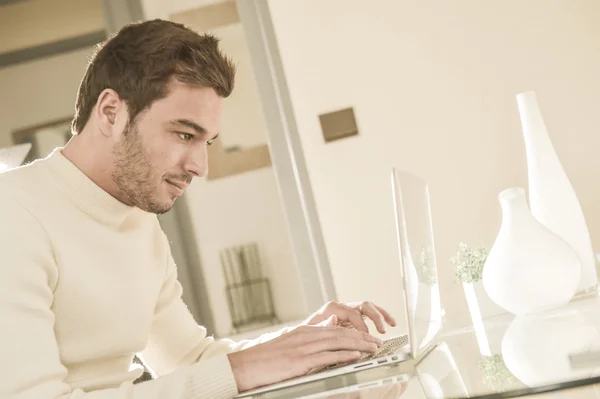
(576, 392)
(542, 352)
(393, 381)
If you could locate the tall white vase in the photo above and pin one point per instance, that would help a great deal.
(551, 196)
(529, 268)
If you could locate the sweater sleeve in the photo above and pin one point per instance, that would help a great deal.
(30, 363)
(176, 339)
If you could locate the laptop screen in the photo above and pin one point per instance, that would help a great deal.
(418, 261)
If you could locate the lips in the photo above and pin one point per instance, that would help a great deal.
(180, 185)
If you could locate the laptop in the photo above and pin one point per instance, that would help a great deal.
(422, 304)
(13, 156)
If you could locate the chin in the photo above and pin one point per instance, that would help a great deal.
(166, 206)
(161, 210)
(159, 206)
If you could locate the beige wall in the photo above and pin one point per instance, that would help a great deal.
(243, 123)
(236, 210)
(164, 9)
(433, 87)
(39, 91)
(69, 18)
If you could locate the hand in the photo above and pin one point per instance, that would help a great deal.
(352, 314)
(298, 351)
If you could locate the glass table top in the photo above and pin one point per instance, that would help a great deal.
(504, 356)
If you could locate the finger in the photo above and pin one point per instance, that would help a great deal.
(369, 310)
(323, 359)
(388, 318)
(339, 344)
(313, 333)
(332, 321)
(346, 314)
(354, 316)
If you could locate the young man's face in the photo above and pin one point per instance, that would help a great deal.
(166, 146)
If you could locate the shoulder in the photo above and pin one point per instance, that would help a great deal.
(25, 244)
(22, 181)
(17, 221)
(20, 187)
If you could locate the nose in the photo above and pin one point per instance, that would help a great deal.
(197, 162)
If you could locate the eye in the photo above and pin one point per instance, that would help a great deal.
(185, 136)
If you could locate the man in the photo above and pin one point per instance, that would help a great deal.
(87, 279)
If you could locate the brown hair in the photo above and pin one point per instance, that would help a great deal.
(139, 61)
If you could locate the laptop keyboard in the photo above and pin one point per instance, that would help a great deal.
(388, 347)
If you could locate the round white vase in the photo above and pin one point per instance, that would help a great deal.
(529, 268)
(551, 196)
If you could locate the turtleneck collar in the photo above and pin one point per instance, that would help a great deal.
(86, 194)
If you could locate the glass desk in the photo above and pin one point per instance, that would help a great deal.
(551, 354)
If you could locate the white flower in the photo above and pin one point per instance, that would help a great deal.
(468, 263)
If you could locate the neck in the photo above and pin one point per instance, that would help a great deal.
(93, 157)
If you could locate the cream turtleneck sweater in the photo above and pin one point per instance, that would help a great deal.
(85, 283)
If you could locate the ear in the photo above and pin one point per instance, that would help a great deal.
(111, 113)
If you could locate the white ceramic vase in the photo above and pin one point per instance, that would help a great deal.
(529, 268)
(551, 196)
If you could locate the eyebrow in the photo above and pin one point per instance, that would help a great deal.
(188, 123)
